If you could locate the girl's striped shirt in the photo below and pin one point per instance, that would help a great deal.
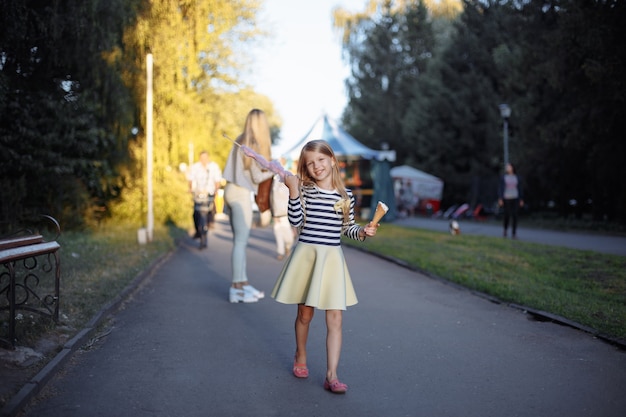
(318, 219)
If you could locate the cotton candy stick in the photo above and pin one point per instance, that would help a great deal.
(259, 158)
(273, 166)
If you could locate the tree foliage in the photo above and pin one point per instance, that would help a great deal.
(386, 54)
(198, 58)
(452, 121)
(73, 100)
(571, 95)
(62, 106)
(558, 65)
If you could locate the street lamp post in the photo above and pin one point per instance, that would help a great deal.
(505, 112)
(149, 145)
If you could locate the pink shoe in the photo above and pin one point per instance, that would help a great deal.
(335, 386)
(300, 370)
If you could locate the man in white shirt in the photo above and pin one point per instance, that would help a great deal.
(204, 181)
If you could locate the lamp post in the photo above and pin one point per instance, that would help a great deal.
(149, 147)
(505, 112)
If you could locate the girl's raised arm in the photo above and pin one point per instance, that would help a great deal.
(293, 183)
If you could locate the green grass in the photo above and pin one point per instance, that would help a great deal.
(95, 268)
(586, 287)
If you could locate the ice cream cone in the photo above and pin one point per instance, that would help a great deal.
(381, 210)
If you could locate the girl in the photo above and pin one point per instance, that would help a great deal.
(316, 275)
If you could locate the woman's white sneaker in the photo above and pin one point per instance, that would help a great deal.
(237, 295)
(249, 289)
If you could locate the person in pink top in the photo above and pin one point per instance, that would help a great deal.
(510, 198)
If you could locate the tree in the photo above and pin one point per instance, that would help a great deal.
(198, 50)
(453, 119)
(387, 51)
(59, 138)
(559, 66)
(72, 95)
(572, 102)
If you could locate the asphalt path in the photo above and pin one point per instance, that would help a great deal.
(413, 346)
(609, 244)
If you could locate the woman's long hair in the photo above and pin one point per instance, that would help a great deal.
(256, 136)
(323, 147)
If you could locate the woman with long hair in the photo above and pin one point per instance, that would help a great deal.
(243, 176)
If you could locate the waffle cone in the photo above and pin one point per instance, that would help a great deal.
(381, 210)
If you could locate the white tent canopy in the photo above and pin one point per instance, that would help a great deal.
(425, 185)
(340, 141)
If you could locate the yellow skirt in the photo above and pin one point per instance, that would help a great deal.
(317, 276)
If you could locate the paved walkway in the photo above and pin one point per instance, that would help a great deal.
(614, 245)
(413, 346)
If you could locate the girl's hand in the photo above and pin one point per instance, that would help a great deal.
(370, 229)
(293, 183)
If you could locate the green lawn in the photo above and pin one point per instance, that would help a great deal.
(586, 287)
(95, 268)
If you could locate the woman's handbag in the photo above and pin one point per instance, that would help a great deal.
(279, 198)
(262, 197)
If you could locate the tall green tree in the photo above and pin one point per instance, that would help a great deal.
(72, 96)
(199, 52)
(556, 64)
(387, 51)
(453, 118)
(63, 107)
(559, 66)
(571, 92)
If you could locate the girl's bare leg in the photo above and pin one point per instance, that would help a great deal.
(333, 342)
(303, 320)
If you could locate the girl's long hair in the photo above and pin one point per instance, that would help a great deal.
(323, 147)
(256, 136)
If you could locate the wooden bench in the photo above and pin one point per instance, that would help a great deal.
(24, 260)
(15, 242)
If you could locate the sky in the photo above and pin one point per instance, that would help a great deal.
(300, 67)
